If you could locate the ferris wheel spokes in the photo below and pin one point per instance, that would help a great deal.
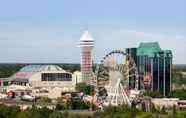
(113, 78)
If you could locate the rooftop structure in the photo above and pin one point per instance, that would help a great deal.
(37, 68)
(29, 70)
(148, 49)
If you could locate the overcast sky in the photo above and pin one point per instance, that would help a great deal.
(49, 30)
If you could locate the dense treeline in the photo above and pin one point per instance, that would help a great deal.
(109, 112)
(177, 77)
(70, 67)
(7, 70)
(180, 67)
(181, 94)
(153, 94)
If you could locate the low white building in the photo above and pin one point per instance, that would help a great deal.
(76, 77)
(47, 76)
(39, 77)
(165, 102)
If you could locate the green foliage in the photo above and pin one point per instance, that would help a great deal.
(146, 115)
(45, 112)
(180, 114)
(178, 78)
(179, 67)
(8, 112)
(79, 105)
(109, 112)
(73, 105)
(56, 115)
(70, 67)
(60, 107)
(181, 94)
(44, 100)
(22, 115)
(152, 94)
(7, 70)
(86, 89)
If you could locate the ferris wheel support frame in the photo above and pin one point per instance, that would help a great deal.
(119, 91)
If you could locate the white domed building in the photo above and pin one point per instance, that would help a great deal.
(44, 76)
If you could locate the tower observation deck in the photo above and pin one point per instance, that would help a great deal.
(86, 46)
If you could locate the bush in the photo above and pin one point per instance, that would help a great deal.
(56, 115)
(153, 94)
(60, 107)
(146, 115)
(181, 94)
(86, 89)
(79, 105)
(44, 100)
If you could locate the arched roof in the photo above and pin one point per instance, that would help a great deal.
(38, 68)
(29, 70)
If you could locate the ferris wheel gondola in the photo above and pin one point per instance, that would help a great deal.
(112, 78)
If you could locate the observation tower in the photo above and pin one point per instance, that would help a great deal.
(86, 45)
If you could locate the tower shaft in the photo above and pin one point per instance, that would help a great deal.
(86, 45)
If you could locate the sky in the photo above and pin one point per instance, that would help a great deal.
(48, 31)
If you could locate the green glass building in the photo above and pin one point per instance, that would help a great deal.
(154, 64)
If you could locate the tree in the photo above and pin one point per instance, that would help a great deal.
(86, 89)
(44, 100)
(145, 115)
(56, 115)
(8, 111)
(60, 107)
(181, 94)
(22, 115)
(78, 104)
(44, 112)
(153, 94)
(6, 70)
(174, 111)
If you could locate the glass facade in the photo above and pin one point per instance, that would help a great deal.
(168, 63)
(161, 73)
(154, 62)
(56, 77)
(156, 73)
(132, 79)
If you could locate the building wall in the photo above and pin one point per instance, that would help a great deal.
(132, 53)
(86, 64)
(36, 81)
(160, 71)
(157, 64)
(76, 77)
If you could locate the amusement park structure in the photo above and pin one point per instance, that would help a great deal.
(112, 79)
(122, 75)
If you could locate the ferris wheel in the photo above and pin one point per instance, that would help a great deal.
(112, 78)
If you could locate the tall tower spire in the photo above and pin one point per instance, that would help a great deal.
(86, 45)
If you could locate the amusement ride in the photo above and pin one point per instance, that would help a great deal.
(116, 79)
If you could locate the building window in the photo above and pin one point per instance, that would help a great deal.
(56, 77)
